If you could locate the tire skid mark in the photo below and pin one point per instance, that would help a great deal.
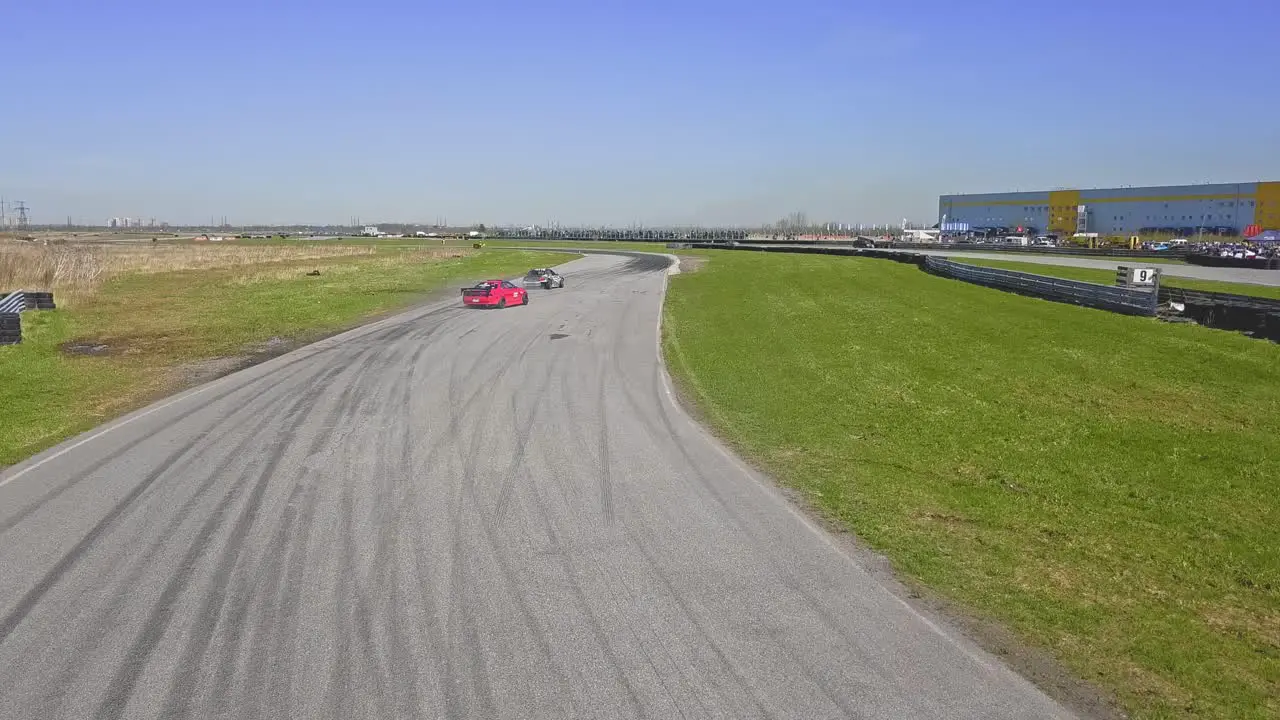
(357, 604)
(211, 607)
(390, 533)
(820, 682)
(560, 365)
(434, 632)
(494, 541)
(780, 566)
(660, 574)
(618, 581)
(582, 448)
(606, 472)
(460, 408)
(339, 697)
(509, 580)
(463, 409)
(523, 431)
(655, 434)
(402, 657)
(281, 681)
(349, 599)
(20, 610)
(124, 507)
(575, 418)
(650, 424)
(264, 591)
(126, 679)
(252, 586)
(461, 618)
(108, 615)
(386, 577)
(376, 664)
(461, 632)
(566, 566)
(79, 477)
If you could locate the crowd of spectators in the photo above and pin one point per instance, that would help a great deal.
(1243, 249)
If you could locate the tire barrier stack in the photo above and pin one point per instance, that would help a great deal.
(22, 301)
(1253, 316)
(12, 305)
(1255, 263)
(10, 328)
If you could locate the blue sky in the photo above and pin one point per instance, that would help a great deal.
(600, 112)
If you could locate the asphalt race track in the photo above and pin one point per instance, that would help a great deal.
(452, 513)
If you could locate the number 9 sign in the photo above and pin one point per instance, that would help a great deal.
(1142, 276)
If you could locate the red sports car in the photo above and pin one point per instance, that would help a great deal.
(495, 293)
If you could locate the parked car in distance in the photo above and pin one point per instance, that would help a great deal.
(544, 277)
(494, 293)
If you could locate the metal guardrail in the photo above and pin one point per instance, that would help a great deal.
(1104, 297)
(1257, 317)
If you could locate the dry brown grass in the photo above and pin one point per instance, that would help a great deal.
(385, 259)
(80, 270)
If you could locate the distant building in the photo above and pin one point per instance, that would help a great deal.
(370, 231)
(1175, 209)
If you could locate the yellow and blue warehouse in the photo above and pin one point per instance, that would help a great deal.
(1173, 209)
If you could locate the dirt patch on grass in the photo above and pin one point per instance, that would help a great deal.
(691, 263)
(190, 374)
(90, 348)
(1038, 666)
(200, 372)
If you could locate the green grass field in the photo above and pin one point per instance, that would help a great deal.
(154, 325)
(1108, 277)
(1104, 485)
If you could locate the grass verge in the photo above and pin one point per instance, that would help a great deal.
(144, 331)
(1108, 277)
(1103, 485)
